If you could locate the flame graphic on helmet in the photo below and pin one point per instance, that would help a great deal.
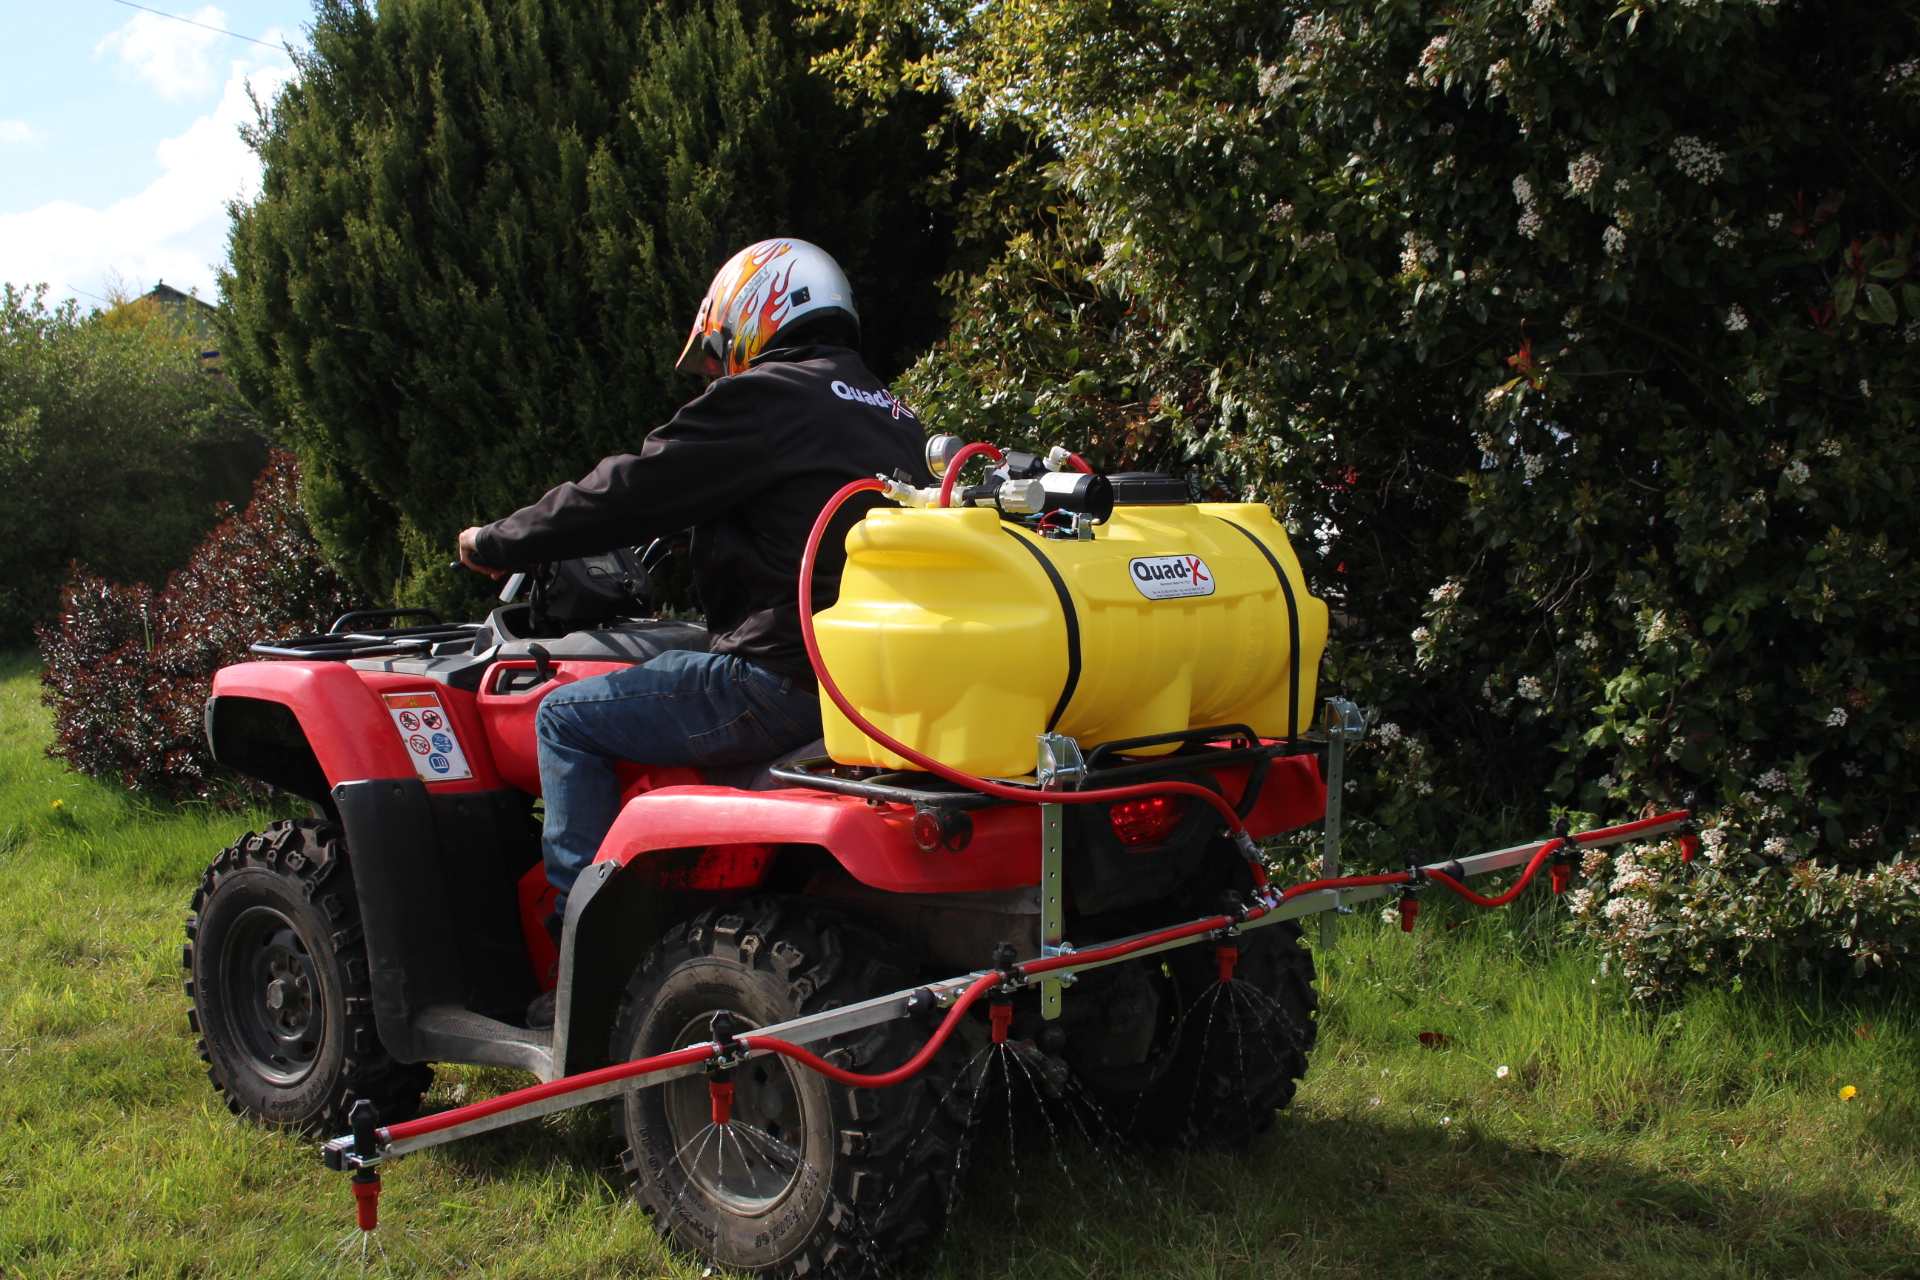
(735, 320)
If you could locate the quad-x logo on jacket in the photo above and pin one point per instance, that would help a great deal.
(878, 399)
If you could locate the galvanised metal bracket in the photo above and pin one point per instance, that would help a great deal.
(1053, 914)
(1345, 723)
(1060, 767)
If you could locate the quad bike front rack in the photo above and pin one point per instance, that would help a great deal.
(370, 1144)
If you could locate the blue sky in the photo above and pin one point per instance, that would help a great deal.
(118, 143)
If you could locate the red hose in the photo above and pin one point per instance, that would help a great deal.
(953, 473)
(1526, 876)
(906, 1070)
(552, 1089)
(901, 749)
(1343, 882)
(1080, 464)
(1118, 949)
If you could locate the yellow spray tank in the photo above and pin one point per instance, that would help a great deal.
(964, 635)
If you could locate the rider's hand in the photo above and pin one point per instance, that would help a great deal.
(470, 548)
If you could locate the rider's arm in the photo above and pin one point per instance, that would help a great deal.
(711, 453)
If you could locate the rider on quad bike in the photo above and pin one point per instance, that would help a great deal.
(1116, 682)
(792, 414)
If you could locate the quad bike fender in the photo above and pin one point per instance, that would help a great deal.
(655, 832)
(336, 718)
(307, 727)
(1293, 794)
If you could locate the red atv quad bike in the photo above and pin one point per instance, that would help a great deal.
(759, 967)
(334, 958)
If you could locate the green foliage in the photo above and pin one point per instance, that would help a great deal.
(115, 449)
(1579, 342)
(485, 226)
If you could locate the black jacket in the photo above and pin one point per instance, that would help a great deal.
(748, 466)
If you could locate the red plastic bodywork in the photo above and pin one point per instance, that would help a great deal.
(696, 827)
(680, 833)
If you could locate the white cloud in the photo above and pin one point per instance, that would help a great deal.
(174, 57)
(175, 230)
(15, 131)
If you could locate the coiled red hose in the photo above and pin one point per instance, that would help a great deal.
(1020, 795)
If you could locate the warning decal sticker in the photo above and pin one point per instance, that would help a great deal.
(1171, 577)
(429, 737)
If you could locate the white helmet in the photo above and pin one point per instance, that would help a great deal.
(764, 290)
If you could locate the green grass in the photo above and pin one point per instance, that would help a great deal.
(1708, 1140)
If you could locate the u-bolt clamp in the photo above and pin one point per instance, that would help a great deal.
(1690, 829)
(727, 1052)
(719, 1068)
(1562, 866)
(1410, 892)
(1235, 908)
(1000, 1005)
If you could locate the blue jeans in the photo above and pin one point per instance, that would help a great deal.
(681, 708)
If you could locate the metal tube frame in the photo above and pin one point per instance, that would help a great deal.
(825, 1025)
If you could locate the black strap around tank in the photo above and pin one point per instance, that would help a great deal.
(1293, 628)
(1073, 627)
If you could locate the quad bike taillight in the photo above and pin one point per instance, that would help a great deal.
(949, 829)
(1147, 821)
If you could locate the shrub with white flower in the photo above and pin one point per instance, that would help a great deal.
(1662, 920)
(1837, 718)
(1416, 253)
(1772, 780)
(1587, 643)
(1797, 472)
(1736, 319)
(1583, 172)
(1387, 734)
(1530, 688)
(1530, 222)
(1699, 160)
(1614, 240)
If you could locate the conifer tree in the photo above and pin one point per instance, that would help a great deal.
(485, 225)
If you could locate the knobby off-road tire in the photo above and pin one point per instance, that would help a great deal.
(1225, 1058)
(277, 973)
(872, 1184)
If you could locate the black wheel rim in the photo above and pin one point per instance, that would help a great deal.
(751, 1169)
(275, 1004)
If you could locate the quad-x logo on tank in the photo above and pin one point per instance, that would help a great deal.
(1171, 577)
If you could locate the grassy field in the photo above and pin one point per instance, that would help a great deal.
(1708, 1140)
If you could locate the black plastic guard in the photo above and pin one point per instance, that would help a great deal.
(411, 945)
(436, 878)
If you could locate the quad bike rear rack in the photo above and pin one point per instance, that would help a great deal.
(371, 1143)
(1107, 765)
